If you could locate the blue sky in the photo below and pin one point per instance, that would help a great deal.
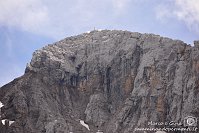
(27, 25)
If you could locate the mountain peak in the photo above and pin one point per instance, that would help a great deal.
(114, 81)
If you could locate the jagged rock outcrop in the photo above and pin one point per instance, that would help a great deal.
(116, 81)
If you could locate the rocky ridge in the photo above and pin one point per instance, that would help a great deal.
(115, 81)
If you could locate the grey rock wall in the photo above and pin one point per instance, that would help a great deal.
(116, 81)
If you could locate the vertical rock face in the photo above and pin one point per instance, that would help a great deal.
(116, 81)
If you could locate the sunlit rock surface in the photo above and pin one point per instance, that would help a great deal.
(114, 81)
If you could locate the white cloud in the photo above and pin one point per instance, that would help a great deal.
(28, 15)
(55, 18)
(188, 11)
(184, 10)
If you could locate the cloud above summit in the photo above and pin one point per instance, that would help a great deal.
(28, 15)
(186, 11)
(53, 18)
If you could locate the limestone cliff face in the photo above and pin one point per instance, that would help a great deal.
(116, 81)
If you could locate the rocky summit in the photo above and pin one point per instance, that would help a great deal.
(107, 81)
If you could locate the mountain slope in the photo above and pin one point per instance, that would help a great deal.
(116, 81)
